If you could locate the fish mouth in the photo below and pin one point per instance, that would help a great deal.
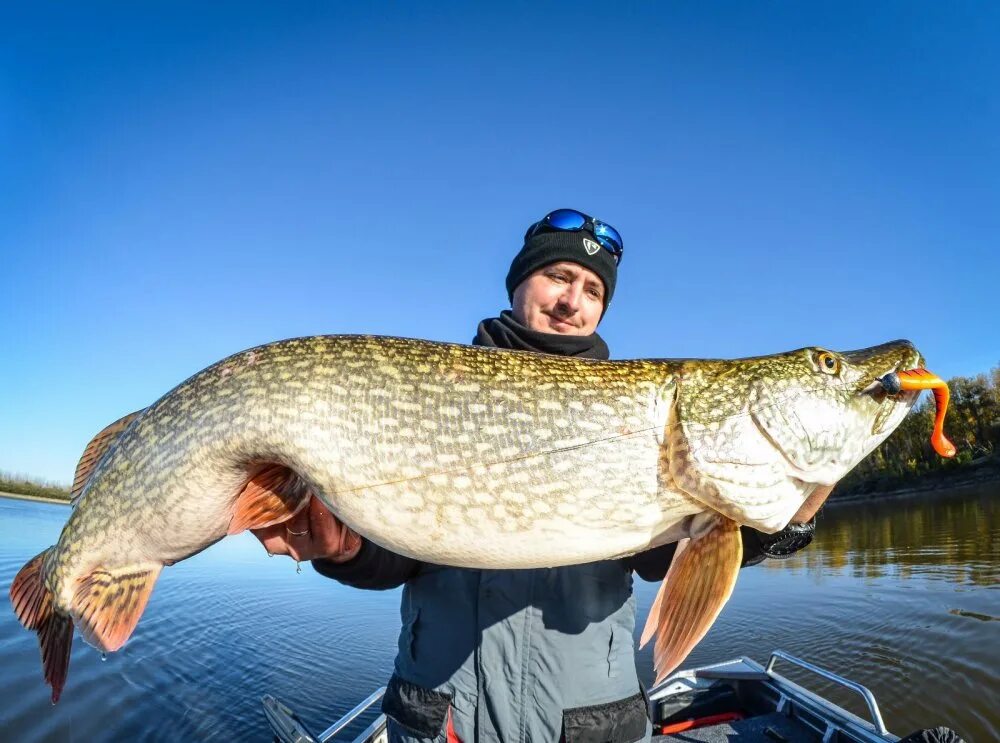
(890, 401)
(885, 389)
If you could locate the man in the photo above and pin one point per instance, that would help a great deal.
(513, 655)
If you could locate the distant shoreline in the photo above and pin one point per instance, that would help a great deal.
(925, 487)
(39, 498)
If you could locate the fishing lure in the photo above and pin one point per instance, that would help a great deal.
(921, 379)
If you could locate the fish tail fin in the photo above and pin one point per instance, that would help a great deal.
(33, 605)
(699, 583)
(31, 600)
(55, 638)
(272, 495)
(108, 602)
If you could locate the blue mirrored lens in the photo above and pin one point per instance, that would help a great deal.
(566, 219)
(610, 233)
(609, 246)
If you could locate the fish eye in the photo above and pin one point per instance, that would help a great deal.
(828, 363)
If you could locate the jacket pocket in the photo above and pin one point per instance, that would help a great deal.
(623, 721)
(423, 711)
(619, 651)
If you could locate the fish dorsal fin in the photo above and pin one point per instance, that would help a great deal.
(95, 450)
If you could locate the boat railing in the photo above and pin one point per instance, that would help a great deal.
(865, 693)
(347, 719)
(288, 728)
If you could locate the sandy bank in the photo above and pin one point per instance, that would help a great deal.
(39, 498)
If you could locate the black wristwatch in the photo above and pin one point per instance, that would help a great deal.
(757, 545)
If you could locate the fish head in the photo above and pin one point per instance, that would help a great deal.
(757, 436)
(825, 411)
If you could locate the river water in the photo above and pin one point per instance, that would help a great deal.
(901, 596)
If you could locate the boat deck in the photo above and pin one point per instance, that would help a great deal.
(774, 727)
(739, 700)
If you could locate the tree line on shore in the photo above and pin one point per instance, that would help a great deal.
(23, 485)
(904, 459)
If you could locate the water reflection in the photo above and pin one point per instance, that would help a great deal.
(899, 596)
(946, 538)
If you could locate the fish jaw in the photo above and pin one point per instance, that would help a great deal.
(753, 439)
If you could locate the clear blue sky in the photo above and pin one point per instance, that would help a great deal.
(181, 181)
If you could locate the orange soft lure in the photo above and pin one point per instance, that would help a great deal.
(921, 379)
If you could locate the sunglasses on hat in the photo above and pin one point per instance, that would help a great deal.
(570, 220)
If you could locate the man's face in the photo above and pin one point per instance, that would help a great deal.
(562, 297)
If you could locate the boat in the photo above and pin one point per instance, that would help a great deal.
(736, 700)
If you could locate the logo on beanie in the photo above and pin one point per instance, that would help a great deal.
(590, 246)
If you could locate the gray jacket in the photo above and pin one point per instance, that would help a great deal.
(519, 656)
(515, 655)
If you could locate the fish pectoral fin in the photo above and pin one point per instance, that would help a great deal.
(698, 584)
(273, 495)
(96, 449)
(653, 618)
(109, 601)
(32, 603)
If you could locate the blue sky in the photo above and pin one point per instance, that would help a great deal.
(182, 181)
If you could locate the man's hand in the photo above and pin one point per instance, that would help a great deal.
(314, 533)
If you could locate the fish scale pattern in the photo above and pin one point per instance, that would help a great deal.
(472, 456)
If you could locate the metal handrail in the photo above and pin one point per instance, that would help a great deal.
(347, 719)
(369, 733)
(830, 676)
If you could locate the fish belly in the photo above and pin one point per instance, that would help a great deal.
(548, 542)
(573, 507)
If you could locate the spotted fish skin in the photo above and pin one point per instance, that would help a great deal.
(481, 457)
(464, 455)
(460, 455)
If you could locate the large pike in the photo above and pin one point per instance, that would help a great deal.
(473, 457)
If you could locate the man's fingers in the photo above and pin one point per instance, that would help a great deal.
(812, 504)
(288, 538)
(267, 531)
(314, 532)
(297, 526)
(273, 539)
(299, 536)
(331, 538)
(350, 542)
(324, 525)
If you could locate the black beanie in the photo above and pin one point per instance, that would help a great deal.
(556, 245)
